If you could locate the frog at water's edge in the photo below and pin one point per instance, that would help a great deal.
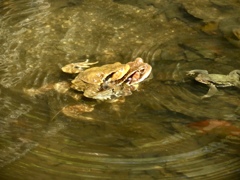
(216, 80)
(106, 82)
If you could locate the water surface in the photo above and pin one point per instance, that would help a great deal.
(163, 131)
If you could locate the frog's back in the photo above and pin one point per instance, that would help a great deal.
(220, 80)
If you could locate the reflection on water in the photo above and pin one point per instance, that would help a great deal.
(164, 130)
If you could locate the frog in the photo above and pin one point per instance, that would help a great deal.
(216, 80)
(93, 82)
(108, 82)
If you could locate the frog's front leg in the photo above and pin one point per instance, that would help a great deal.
(199, 71)
(77, 67)
(95, 93)
(212, 91)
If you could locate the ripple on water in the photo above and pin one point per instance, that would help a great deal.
(85, 157)
(146, 137)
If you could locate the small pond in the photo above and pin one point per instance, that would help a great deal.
(164, 130)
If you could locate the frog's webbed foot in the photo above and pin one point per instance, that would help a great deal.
(196, 71)
(77, 67)
(212, 91)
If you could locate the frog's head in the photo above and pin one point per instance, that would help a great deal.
(139, 71)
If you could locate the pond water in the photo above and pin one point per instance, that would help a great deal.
(165, 130)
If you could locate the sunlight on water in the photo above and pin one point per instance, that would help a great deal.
(164, 130)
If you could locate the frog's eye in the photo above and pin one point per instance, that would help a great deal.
(78, 67)
(142, 71)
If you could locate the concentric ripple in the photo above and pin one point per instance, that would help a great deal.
(165, 130)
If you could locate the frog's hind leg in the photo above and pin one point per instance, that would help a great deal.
(212, 91)
(196, 71)
(235, 72)
(74, 68)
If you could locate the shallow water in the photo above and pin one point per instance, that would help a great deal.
(163, 131)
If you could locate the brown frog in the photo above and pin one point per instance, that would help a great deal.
(95, 82)
(216, 80)
(106, 82)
